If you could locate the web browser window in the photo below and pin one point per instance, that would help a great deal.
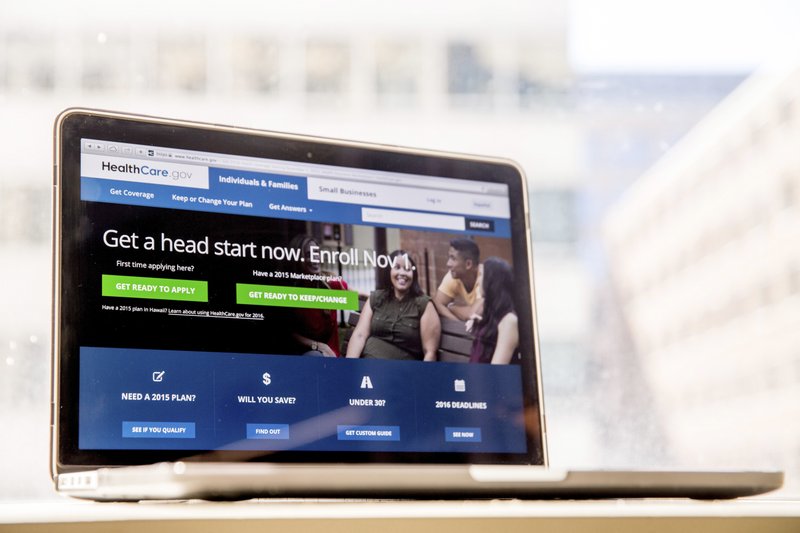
(209, 282)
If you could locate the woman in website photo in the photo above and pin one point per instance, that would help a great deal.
(398, 321)
(495, 328)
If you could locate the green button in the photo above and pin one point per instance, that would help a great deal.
(272, 295)
(186, 290)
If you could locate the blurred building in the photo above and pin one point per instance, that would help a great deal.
(471, 76)
(704, 256)
(628, 121)
(491, 81)
(464, 76)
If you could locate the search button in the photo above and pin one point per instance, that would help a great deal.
(480, 224)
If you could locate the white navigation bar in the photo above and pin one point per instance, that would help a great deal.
(373, 194)
(142, 171)
(290, 168)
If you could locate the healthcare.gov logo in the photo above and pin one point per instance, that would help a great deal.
(147, 170)
(155, 172)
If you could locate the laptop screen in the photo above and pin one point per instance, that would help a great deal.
(282, 298)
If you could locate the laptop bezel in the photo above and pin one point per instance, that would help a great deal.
(75, 124)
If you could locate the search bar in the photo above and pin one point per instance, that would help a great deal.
(411, 218)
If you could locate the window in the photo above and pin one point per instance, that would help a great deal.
(106, 62)
(469, 74)
(554, 216)
(255, 65)
(29, 62)
(182, 63)
(327, 69)
(397, 71)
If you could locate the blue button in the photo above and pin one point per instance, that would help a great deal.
(268, 431)
(384, 433)
(462, 434)
(158, 430)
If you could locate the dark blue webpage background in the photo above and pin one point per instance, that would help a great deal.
(423, 409)
(322, 419)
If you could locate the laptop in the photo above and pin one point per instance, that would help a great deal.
(243, 313)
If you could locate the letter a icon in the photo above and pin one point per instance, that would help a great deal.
(366, 383)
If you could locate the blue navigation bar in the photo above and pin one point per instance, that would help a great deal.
(286, 197)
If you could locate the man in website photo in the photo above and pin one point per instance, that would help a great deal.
(460, 294)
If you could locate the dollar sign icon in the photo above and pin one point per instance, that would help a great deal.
(266, 379)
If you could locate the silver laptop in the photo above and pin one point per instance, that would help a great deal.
(241, 313)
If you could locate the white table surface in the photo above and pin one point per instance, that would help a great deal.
(329, 516)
